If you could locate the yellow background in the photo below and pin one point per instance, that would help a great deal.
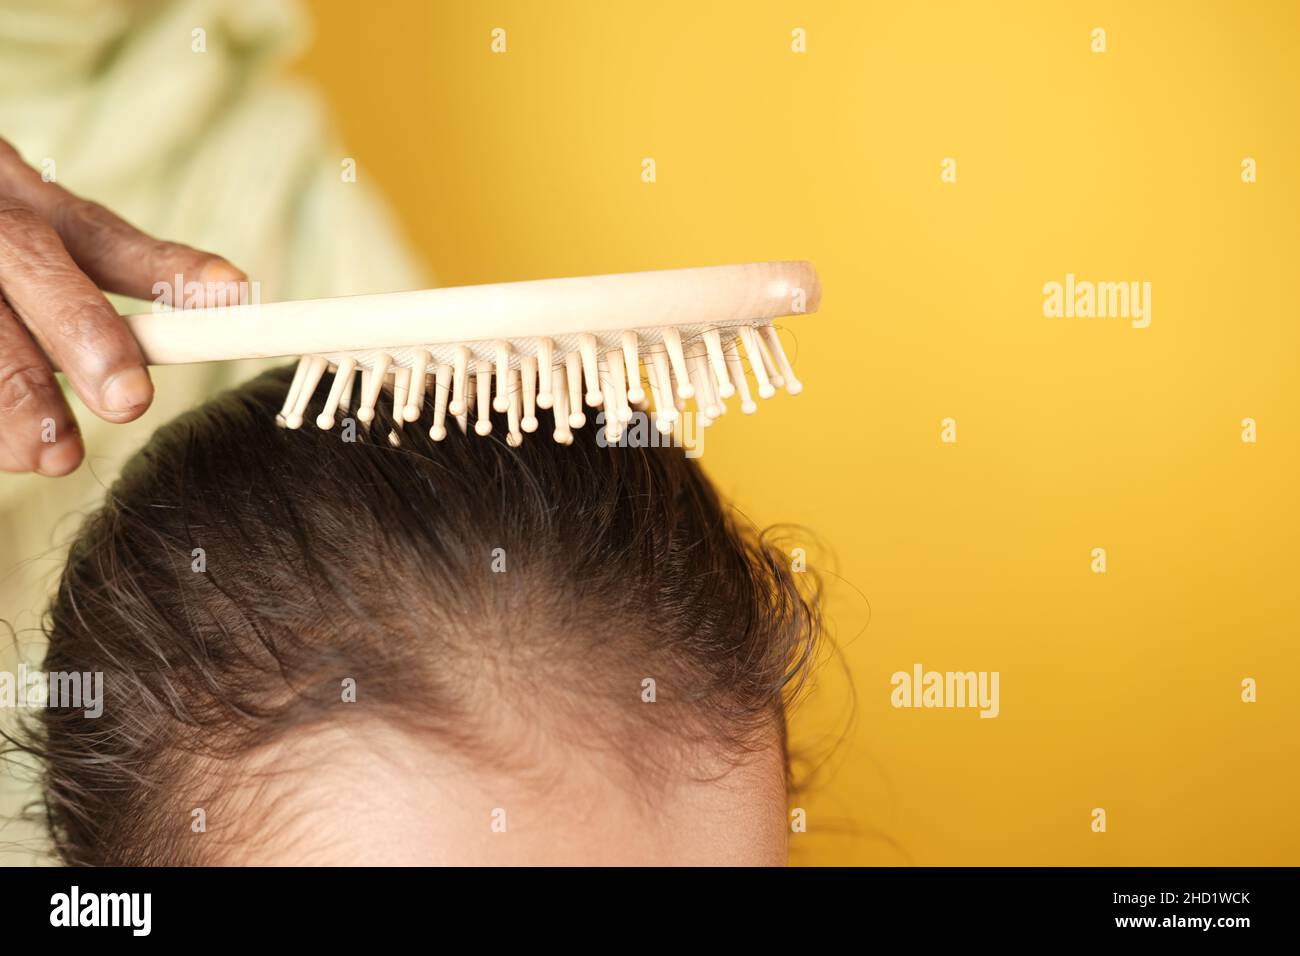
(1118, 690)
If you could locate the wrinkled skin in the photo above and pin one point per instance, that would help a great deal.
(57, 252)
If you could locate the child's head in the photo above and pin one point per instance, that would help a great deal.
(349, 652)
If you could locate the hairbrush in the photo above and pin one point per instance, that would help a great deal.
(567, 345)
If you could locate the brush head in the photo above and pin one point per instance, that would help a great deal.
(667, 344)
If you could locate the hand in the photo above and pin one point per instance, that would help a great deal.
(57, 251)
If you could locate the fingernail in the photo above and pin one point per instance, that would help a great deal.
(128, 390)
(60, 458)
(219, 270)
(223, 283)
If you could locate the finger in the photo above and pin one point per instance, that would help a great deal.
(113, 253)
(121, 258)
(37, 430)
(69, 318)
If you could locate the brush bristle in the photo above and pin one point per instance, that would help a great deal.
(657, 371)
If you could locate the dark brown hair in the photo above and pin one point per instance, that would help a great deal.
(238, 572)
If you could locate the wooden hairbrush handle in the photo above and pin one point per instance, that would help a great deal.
(711, 295)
